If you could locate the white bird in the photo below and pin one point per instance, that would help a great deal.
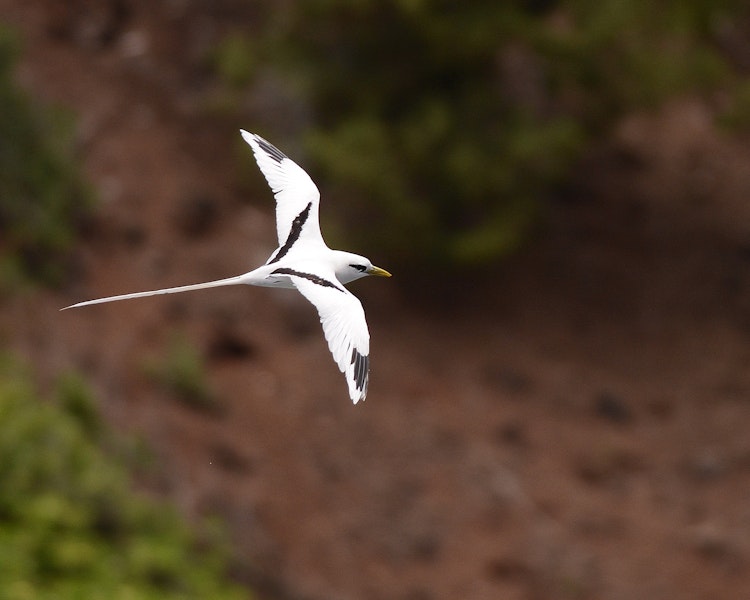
(303, 261)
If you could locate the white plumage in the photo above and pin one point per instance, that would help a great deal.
(303, 261)
(291, 186)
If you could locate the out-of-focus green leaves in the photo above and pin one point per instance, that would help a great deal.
(736, 115)
(181, 371)
(69, 525)
(443, 125)
(234, 60)
(43, 197)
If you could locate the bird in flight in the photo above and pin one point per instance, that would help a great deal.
(303, 261)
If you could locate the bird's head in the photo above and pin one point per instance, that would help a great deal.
(353, 266)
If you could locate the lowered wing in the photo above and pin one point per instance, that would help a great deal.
(344, 326)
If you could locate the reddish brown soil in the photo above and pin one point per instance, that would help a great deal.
(575, 429)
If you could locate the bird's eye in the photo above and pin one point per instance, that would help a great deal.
(360, 268)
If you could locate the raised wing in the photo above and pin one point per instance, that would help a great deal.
(297, 197)
(344, 326)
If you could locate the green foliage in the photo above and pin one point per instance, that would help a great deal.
(233, 60)
(736, 115)
(69, 525)
(181, 371)
(75, 399)
(233, 63)
(444, 124)
(43, 198)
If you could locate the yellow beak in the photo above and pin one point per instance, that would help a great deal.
(378, 271)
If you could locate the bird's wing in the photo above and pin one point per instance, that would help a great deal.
(297, 197)
(344, 325)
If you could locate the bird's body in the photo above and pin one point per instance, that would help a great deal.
(303, 261)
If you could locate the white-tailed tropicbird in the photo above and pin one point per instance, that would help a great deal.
(303, 261)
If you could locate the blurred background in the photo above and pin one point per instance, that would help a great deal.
(559, 394)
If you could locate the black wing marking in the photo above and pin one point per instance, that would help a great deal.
(270, 149)
(317, 279)
(294, 233)
(361, 369)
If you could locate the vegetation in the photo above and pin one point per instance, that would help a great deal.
(181, 371)
(70, 527)
(232, 60)
(444, 125)
(43, 198)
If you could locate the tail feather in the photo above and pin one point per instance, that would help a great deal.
(238, 280)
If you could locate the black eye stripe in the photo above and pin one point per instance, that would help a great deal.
(360, 268)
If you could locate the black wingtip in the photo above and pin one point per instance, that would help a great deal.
(271, 150)
(361, 369)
